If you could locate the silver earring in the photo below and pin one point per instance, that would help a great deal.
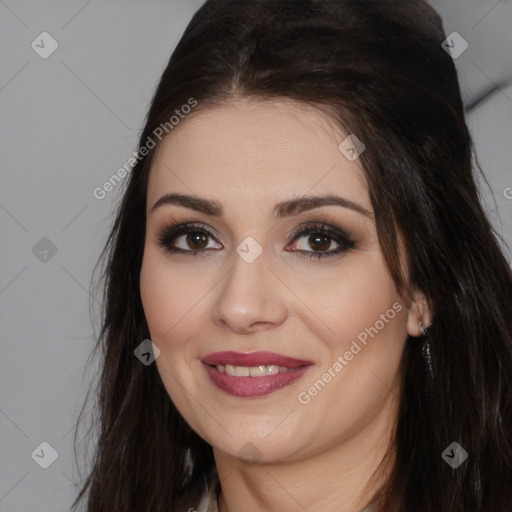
(429, 379)
(423, 329)
(426, 355)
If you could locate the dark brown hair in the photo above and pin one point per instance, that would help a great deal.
(379, 68)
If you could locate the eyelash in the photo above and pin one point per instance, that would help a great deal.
(170, 233)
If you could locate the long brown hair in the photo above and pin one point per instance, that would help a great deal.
(379, 68)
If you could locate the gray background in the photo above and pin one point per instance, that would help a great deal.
(68, 122)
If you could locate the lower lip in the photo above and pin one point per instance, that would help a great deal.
(253, 386)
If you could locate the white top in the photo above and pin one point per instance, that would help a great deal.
(208, 501)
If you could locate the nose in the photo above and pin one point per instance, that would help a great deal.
(250, 298)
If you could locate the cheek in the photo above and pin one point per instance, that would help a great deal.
(168, 298)
(157, 298)
(168, 301)
(359, 299)
(368, 306)
(367, 323)
(369, 320)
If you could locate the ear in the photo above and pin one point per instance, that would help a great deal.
(418, 310)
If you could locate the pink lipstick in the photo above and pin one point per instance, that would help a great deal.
(253, 374)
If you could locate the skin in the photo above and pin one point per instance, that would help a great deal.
(249, 155)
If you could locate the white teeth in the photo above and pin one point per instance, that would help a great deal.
(258, 371)
(241, 371)
(252, 371)
(272, 370)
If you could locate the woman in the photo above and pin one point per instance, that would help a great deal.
(302, 241)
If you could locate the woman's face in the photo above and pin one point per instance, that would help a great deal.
(260, 286)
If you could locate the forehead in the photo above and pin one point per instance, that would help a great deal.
(248, 151)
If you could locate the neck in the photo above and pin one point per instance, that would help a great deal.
(338, 479)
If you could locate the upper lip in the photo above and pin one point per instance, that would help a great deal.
(254, 359)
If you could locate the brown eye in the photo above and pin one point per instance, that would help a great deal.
(197, 240)
(186, 239)
(320, 242)
(320, 239)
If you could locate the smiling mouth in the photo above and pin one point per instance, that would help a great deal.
(253, 374)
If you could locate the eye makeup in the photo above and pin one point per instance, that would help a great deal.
(319, 235)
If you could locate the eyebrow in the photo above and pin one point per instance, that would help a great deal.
(280, 210)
